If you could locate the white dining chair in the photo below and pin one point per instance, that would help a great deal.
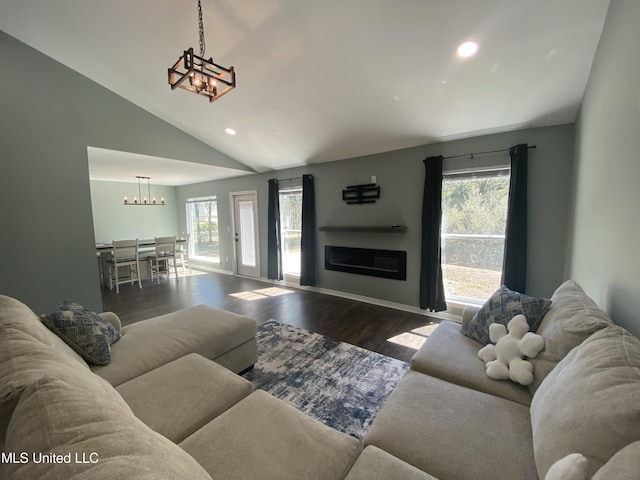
(164, 257)
(124, 254)
(182, 253)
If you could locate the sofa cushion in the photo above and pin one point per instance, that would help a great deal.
(501, 307)
(101, 438)
(159, 397)
(590, 402)
(376, 464)
(573, 316)
(15, 314)
(266, 438)
(624, 465)
(454, 432)
(24, 359)
(84, 331)
(113, 319)
(572, 467)
(451, 356)
(151, 343)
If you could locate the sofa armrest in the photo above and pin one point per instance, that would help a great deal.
(113, 319)
(468, 313)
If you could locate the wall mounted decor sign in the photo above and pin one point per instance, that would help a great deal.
(356, 194)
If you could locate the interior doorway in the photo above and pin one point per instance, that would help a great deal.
(245, 233)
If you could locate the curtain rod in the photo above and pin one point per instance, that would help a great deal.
(483, 153)
(288, 179)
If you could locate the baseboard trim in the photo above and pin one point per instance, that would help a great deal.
(206, 267)
(437, 316)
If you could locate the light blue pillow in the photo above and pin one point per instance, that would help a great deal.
(84, 331)
(501, 307)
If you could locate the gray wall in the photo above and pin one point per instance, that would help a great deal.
(112, 220)
(50, 114)
(604, 253)
(401, 175)
(45, 203)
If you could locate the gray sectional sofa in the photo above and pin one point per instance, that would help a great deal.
(161, 409)
(171, 412)
(447, 419)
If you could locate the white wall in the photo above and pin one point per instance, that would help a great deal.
(606, 232)
(112, 220)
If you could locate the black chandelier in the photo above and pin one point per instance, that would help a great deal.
(143, 201)
(199, 75)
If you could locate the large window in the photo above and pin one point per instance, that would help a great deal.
(202, 224)
(474, 215)
(291, 229)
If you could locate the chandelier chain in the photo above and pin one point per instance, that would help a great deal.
(201, 29)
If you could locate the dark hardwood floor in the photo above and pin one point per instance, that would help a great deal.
(362, 324)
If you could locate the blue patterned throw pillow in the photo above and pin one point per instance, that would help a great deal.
(503, 305)
(84, 331)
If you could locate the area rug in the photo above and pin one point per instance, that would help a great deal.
(341, 385)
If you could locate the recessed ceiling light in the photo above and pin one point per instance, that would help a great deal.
(467, 49)
(230, 131)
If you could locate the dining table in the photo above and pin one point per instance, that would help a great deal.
(103, 253)
(147, 244)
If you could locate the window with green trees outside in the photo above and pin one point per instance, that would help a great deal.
(291, 229)
(474, 215)
(202, 224)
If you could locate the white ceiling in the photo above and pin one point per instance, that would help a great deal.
(323, 80)
(114, 166)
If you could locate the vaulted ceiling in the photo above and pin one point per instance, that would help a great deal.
(323, 80)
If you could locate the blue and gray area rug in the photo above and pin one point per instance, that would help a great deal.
(341, 385)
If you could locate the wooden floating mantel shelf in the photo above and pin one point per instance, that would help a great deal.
(364, 229)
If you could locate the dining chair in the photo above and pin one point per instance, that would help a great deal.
(124, 254)
(164, 257)
(182, 253)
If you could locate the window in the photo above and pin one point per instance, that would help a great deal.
(291, 229)
(202, 224)
(474, 215)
